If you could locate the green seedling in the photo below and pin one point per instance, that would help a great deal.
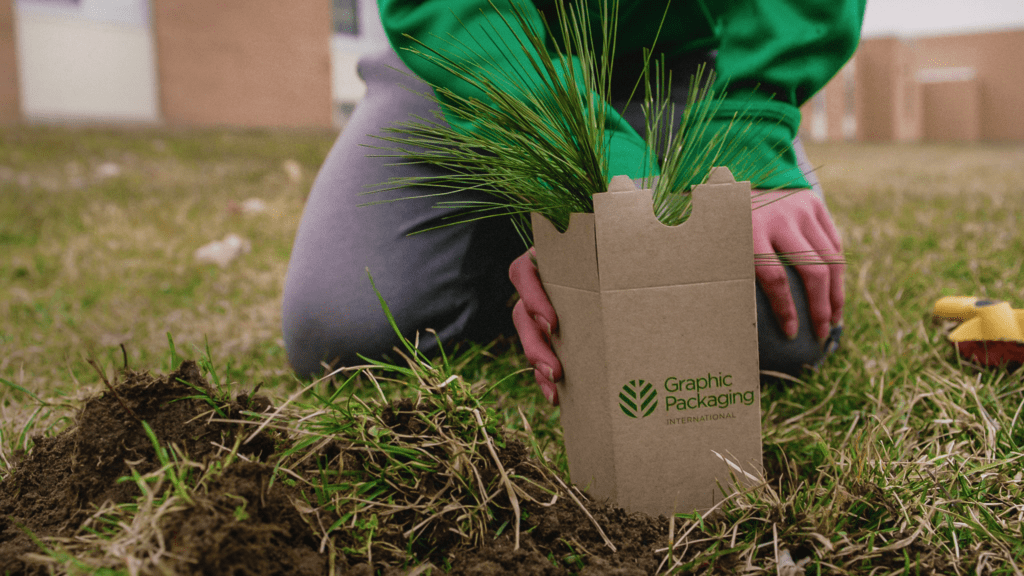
(542, 127)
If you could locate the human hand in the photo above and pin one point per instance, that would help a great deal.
(795, 223)
(535, 321)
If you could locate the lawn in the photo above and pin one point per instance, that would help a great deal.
(894, 457)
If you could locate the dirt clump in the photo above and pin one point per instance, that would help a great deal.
(560, 539)
(247, 518)
(243, 526)
(55, 486)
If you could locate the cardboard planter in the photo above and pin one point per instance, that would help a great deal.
(658, 341)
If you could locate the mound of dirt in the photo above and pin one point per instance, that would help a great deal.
(560, 540)
(240, 523)
(241, 526)
(55, 487)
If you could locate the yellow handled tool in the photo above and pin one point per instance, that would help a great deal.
(992, 332)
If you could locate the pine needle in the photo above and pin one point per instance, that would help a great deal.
(540, 136)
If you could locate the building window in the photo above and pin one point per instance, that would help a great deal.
(819, 118)
(850, 101)
(346, 17)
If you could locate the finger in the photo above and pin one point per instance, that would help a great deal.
(829, 227)
(838, 294)
(837, 270)
(536, 345)
(773, 281)
(816, 277)
(524, 276)
(547, 387)
(817, 283)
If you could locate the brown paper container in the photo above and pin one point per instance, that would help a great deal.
(658, 341)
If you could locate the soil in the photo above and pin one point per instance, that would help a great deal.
(240, 525)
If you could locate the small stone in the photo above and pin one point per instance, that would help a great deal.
(223, 252)
(293, 169)
(254, 206)
(108, 170)
(787, 567)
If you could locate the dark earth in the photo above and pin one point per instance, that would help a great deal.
(59, 483)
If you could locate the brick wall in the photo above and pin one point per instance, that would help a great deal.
(995, 58)
(10, 107)
(875, 119)
(903, 94)
(260, 63)
(889, 106)
(835, 99)
(951, 111)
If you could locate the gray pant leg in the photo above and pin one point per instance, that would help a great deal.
(453, 280)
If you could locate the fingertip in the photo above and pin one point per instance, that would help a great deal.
(547, 387)
(556, 372)
(543, 323)
(791, 328)
(549, 393)
(823, 330)
(553, 323)
(546, 371)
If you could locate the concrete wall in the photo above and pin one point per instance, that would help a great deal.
(274, 63)
(78, 68)
(995, 58)
(10, 107)
(244, 62)
(908, 100)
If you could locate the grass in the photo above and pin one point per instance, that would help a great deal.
(893, 457)
(90, 262)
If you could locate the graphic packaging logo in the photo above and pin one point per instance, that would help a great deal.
(638, 399)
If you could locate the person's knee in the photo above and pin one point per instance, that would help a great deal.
(334, 328)
(791, 357)
(322, 332)
(304, 344)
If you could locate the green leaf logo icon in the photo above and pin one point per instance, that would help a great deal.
(638, 399)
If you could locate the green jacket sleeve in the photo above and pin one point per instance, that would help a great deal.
(773, 55)
(473, 32)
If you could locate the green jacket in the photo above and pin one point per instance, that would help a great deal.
(772, 56)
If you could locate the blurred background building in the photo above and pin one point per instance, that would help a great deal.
(261, 63)
(271, 63)
(949, 88)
